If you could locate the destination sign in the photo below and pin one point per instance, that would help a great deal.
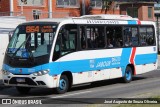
(42, 29)
(137, 1)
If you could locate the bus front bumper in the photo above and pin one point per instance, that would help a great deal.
(45, 81)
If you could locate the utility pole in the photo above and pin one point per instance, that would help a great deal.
(22, 3)
(83, 7)
(50, 9)
(11, 8)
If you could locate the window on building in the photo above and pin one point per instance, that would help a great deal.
(67, 3)
(133, 12)
(31, 2)
(149, 12)
(96, 3)
(36, 14)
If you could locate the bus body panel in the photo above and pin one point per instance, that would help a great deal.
(90, 65)
(93, 67)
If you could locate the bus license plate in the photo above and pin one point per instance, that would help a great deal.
(20, 79)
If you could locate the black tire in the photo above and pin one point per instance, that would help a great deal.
(63, 85)
(23, 90)
(128, 75)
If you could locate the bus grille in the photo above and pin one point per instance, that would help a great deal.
(28, 81)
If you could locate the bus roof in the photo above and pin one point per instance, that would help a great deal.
(109, 16)
(89, 19)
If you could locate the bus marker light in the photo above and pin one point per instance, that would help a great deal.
(20, 70)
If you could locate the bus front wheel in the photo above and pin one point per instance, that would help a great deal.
(128, 75)
(63, 85)
(23, 90)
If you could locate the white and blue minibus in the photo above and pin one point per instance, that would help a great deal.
(61, 53)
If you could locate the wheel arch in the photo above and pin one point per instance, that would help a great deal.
(132, 67)
(69, 76)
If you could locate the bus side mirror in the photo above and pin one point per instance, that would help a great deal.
(10, 36)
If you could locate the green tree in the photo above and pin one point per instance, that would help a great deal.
(87, 8)
(106, 5)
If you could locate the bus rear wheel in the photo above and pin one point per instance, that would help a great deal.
(63, 85)
(23, 90)
(128, 75)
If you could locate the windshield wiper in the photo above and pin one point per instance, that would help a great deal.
(31, 57)
(28, 53)
(14, 54)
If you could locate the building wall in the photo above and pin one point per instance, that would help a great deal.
(71, 11)
(4, 6)
(142, 10)
(59, 11)
(99, 11)
(28, 10)
(65, 11)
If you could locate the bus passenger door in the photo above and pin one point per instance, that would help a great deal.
(65, 49)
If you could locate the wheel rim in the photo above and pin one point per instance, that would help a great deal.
(128, 74)
(62, 84)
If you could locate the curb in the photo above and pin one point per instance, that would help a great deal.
(2, 86)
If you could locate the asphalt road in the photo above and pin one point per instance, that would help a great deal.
(142, 86)
(115, 88)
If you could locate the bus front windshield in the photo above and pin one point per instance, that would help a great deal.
(31, 41)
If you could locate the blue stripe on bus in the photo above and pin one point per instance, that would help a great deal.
(145, 58)
(132, 22)
(125, 57)
(88, 64)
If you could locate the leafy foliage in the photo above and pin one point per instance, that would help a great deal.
(106, 5)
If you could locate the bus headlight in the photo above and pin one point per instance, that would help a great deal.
(5, 72)
(40, 73)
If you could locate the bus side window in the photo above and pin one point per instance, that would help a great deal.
(131, 36)
(69, 39)
(147, 36)
(82, 37)
(66, 41)
(56, 53)
(114, 37)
